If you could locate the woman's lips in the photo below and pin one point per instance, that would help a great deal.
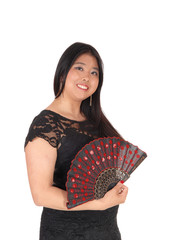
(82, 87)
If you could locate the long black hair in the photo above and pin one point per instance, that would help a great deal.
(93, 113)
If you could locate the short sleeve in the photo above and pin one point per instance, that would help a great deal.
(43, 126)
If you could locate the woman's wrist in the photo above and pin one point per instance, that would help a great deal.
(90, 205)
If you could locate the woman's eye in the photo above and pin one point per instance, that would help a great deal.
(94, 73)
(79, 68)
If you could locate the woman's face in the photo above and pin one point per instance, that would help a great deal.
(82, 79)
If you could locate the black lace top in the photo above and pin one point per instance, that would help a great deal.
(68, 137)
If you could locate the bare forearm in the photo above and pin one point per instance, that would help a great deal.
(56, 198)
(52, 197)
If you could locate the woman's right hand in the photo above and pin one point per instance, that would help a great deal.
(115, 196)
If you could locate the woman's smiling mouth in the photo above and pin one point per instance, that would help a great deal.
(83, 87)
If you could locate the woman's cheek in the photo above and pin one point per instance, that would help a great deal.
(96, 83)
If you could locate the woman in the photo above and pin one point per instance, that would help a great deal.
(56, 134)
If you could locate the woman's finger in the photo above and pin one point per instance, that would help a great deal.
(121, 190)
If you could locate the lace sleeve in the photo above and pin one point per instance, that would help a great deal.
(43, 127)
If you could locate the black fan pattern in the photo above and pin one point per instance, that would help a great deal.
(99, 166)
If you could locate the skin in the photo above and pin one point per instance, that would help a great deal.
(40, 153)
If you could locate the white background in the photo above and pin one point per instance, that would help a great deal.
(134, 41)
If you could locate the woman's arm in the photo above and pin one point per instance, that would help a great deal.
(40, 160)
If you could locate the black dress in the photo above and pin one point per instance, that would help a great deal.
(68, 137)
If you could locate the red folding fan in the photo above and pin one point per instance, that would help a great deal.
(99, 166)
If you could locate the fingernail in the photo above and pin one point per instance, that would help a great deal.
(122, 181)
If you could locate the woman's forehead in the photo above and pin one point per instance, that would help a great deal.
(86, 58)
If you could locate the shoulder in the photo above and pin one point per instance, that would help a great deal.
(44, 125)
(45, 116)
(44, 122)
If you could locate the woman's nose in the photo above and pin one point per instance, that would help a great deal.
(86, 77)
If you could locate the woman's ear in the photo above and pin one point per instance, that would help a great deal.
(61, 81)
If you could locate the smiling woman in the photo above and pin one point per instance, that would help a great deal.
(82, 79)
(85, 67)
(56, 135)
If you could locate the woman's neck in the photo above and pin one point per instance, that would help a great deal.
(67, 108)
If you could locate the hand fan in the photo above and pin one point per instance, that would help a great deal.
(99, 166)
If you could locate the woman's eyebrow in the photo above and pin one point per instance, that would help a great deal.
(80, 63)
(85, 64)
